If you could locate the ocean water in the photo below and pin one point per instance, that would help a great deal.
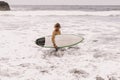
(97, 56)
(67, 7)
(49, 10)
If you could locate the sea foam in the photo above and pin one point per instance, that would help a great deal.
(55, 13)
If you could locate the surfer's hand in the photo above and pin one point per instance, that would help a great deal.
(56, 48)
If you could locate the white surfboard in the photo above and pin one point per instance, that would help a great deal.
(61, 41)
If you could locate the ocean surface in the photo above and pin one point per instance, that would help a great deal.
(67, 7)
(98, 56)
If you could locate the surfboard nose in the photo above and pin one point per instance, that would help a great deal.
(40, 41)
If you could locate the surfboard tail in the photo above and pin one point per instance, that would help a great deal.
(40, 41)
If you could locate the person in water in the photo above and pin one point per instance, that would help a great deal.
(56, 32)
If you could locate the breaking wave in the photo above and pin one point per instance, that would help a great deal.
(57, 13)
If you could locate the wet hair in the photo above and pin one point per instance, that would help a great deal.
(57, 25)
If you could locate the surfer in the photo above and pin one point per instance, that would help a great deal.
(56, 31)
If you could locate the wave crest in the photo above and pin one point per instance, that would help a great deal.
(48, 13)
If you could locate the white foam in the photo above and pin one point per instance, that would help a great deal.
(41, 13)
(22, 59)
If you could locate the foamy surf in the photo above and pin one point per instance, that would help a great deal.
(53, 13)
(98, 57)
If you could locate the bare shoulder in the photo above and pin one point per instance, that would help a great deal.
(54, 32)
(59, 32)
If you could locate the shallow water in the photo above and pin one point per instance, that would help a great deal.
(97, 55)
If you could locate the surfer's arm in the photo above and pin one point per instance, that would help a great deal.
(53, 40)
